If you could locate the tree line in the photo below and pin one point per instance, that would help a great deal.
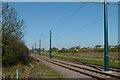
(77, 49)
(14, 49)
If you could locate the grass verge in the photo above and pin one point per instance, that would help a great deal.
(37, 70)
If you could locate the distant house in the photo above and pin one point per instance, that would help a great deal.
(101, 47)
(111, 46)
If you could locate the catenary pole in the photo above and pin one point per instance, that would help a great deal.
(106, 56)
(35, 48)
(50, 45)
(40, 46)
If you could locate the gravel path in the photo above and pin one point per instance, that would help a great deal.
(66, 72)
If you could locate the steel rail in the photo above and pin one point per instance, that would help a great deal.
(96, 71)
(60, 64)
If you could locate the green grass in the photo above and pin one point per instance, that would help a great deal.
(94, 61)
(39, 70)
(113, 64)
(11, 71)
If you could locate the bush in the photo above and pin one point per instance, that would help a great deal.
(8, 60)
(24, 58)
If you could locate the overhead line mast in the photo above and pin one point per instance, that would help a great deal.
(106, 56)
(50, 45)
(40, 47)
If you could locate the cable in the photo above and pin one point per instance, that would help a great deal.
(94, 22)
(69, 17)
(117, 4)
(44, 36)
(76, 12)
(110, 3)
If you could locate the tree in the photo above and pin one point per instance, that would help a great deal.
(63, 50)
(98, 48)
(12, 34)
(55, 50)
(78, 47)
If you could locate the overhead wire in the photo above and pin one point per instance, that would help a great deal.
(118, 3)
(94, 22)
(62, 23)
(88, 25)
(110, 3)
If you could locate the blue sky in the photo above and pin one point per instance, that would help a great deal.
(41, 17)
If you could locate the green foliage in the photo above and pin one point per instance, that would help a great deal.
(97, 48)
(113, 49)
(23, 58)
(63, 50)
(12, 34)
(55, 50)
(8, 60)
(39, 69)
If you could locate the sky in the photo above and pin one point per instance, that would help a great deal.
(58, 0)
(84, 28)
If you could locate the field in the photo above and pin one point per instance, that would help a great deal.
(89, 58)
(93, 55)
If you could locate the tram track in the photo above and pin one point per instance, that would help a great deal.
(89, 72)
